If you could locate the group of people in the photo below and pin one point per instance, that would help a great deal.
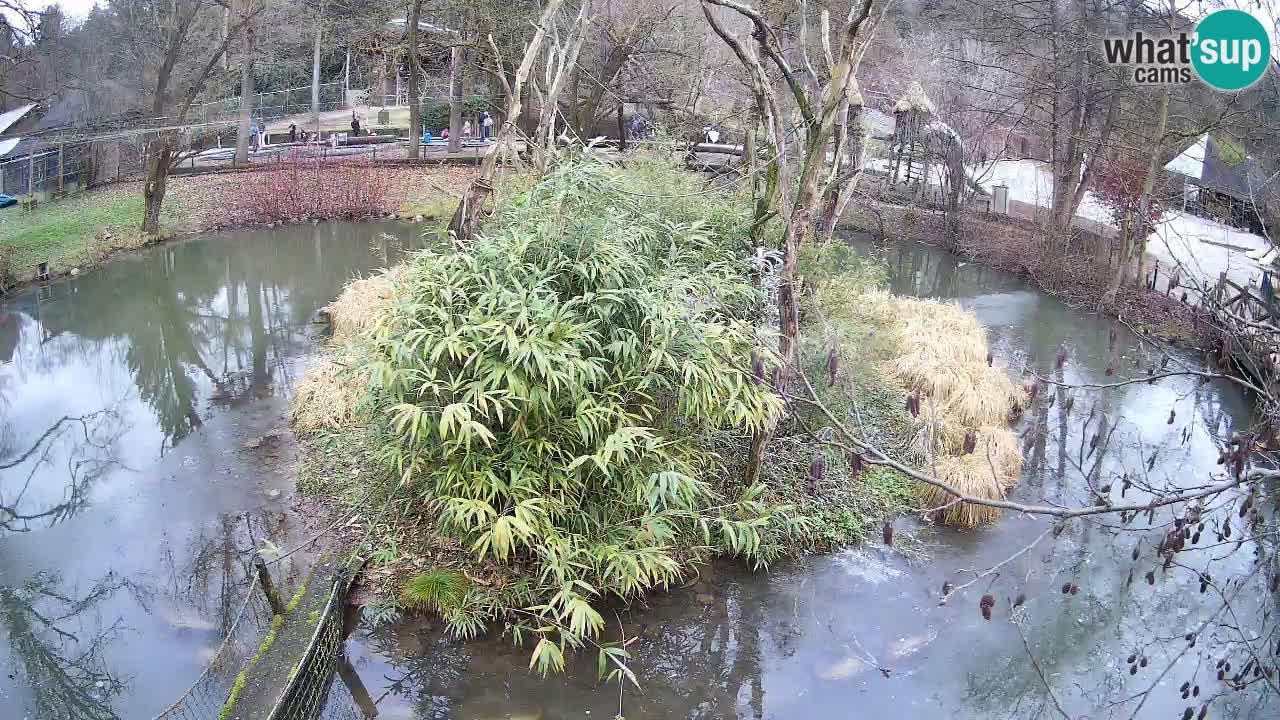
(486, 126)
(297, 134)
(485, 123)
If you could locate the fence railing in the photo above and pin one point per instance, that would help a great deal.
(275, 104)
(312, 693)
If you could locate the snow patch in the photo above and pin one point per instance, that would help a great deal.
(866, 566)
(1191, 161)
(1206, 247)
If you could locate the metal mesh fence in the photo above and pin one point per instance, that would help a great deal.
(54, 168)
(347, 699)
(311, 694)
(275, 104)
(206, 696)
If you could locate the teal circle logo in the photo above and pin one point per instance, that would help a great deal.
(1232, 50)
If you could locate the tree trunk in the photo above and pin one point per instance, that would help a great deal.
(572, 104)
(315, 72)
(455, 99)
(622, 129)
(749, 159)
(1137, 227)
(154, 188)
(381, 98)
(836, 199)
(415, 111)
(566, 62)
(1122, 264)
(246, 98)
(1153, 164)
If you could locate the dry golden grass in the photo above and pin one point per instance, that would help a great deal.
(972, 475)
(326, 398)
(328, 394)
(942, 353)
(362, 302)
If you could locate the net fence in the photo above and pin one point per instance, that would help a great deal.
(322, 685)
(312, 692)
(275, 104)
(52, 168)
(207, 695)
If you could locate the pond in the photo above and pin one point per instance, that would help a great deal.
(860, 633)
(144, 454)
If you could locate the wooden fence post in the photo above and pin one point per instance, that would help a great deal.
(268, 587)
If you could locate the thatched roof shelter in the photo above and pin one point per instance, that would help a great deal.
(914, 100)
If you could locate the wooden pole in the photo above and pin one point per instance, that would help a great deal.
(622, 129)
(268, 587)
(60, 167)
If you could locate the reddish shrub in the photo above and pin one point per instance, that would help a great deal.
(311, 187)
(1118, 185)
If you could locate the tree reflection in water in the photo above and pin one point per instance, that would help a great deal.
(84, 445)
(63, 669)
(698, 654)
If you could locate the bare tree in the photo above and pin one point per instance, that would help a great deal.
(477, 203)
(246, 82)
(818, 105)
(171, 44)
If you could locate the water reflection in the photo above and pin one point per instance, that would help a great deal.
(88, 445)
(127, 396)
(700, 660)
(861, 633)
(62, 672)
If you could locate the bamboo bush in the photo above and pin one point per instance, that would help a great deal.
(548, 390)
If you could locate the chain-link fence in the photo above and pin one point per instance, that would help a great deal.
(271, 105)
(47, 170)
(205, 698)
(312, 693)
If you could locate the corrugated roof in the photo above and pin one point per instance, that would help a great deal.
(9, 118)
(1243, 180)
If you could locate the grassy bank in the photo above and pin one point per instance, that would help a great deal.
(557, 416)
(85, 229)
(77, 231)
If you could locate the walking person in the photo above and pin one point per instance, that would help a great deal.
(487, 125)
(355, 124)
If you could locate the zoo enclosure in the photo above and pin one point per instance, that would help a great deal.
(53, 169)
